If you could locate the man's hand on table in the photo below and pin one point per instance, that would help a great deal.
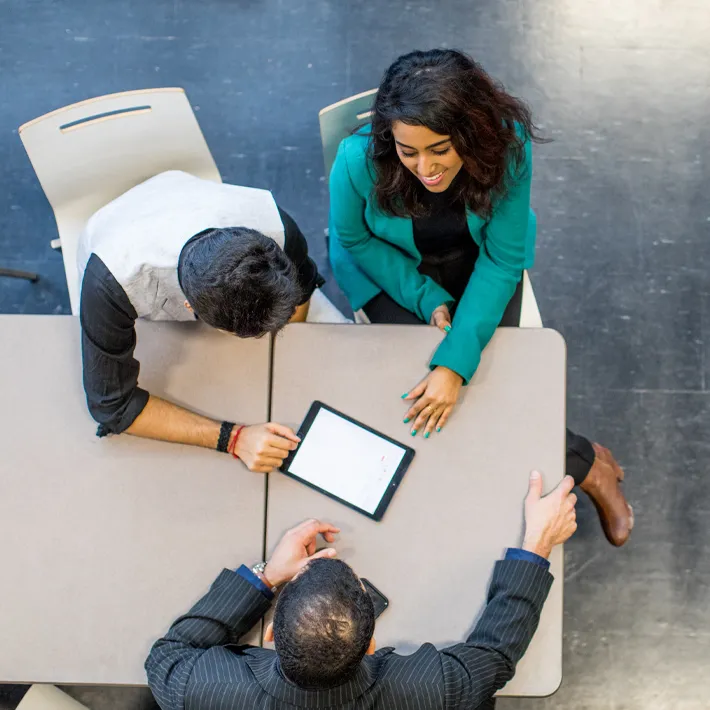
(549, 520)
(263, 447)
(296, 549)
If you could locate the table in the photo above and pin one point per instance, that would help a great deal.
(104, 542)
(460, 504)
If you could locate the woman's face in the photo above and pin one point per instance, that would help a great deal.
(429, 156)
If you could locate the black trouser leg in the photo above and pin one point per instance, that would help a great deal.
(383, 309)
(580, 457)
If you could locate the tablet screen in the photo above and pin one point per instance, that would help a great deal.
(346, 460)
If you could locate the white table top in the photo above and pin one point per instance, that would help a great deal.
(461, 502)
(104, 542)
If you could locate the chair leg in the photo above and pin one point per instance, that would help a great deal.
(13, 273)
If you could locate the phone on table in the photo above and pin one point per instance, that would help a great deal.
(379, 600)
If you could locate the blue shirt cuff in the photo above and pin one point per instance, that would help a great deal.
(245, 573)
(515, 553)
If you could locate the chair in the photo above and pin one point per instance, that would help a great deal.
(338, 121)
(89, 153)
(48, 697)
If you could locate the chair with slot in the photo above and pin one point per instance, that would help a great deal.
(87, 154)
(48, 697)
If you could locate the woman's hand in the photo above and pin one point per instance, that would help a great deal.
(441, 318)
(435, 398)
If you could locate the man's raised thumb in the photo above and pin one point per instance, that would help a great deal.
(535, 490)
(327, 552)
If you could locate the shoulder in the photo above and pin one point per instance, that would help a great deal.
(408, 677)
(353, 157)
(519, 161)
(423, 661)
(526, 141)
(295, 244)
(101, 293)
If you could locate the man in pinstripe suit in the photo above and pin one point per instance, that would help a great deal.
(323, 631)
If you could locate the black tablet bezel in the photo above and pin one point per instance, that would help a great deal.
(394, 482)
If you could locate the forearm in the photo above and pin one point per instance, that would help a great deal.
(166, 421)
(477, 316)
(301, 313)
(475, 670)
(397, 275)
(228, 611)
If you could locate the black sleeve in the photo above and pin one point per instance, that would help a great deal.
(296, 248)
(228, 611)
(108, 339)
(475, 670)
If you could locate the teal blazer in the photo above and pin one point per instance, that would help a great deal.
(372, 252)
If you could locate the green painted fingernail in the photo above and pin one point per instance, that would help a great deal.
(426, 436)
(447, 328)
(438, 428)
(406, 420)
(414, 432)
(404, 395)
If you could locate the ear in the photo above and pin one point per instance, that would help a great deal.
(269, 633)
(372, 647)
(189, 307)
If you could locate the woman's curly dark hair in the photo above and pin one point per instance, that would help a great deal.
(450, 94)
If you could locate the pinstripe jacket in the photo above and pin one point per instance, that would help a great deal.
(199, 664)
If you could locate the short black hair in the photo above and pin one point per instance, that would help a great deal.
(239, 280)
(323, 624)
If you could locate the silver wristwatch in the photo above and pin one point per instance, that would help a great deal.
(258, 569)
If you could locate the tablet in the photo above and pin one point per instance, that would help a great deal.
(348, 461)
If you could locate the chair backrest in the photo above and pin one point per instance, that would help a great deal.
(48, 697)
(339, 120)
(89, 153)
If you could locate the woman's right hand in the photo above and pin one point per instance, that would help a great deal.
(263, 447)
(441, 318)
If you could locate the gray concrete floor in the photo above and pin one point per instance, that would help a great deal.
(621, 194)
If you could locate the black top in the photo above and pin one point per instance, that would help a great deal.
(445, 227)
(109, 338)
(448, 250)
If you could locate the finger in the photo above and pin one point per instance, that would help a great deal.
(275, 452)
(416, 408)
(418, 391)
(327, 552)
(281, 443)
(571, 500)
(433, 422)
(270, 461)
(565, 486)
(284, 431)
(329, 536)
(421, 421)
(313, 527)
(441, 321)
(535, 487)
(444, 417)
(257, 468)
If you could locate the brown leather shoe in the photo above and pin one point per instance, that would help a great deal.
(602, 486)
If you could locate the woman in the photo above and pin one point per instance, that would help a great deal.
(430, 219)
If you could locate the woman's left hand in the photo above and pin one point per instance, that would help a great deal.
(435, 398)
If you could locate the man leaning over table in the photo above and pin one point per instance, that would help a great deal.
(324, 624)
(177, 247)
